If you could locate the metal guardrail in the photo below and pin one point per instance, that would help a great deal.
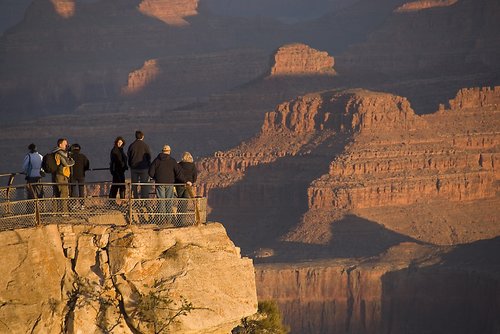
(36, 204)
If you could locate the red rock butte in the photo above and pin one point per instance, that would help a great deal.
(300, 59)
(392, 158)
(415, 6)
(172, 12)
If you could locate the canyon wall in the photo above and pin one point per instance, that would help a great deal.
(415, 6)
(172, 12)
(73, 279)
(65, 8)
(364, 154)
(430, 37)
(300, 59)
(451, 155)
(408, 289)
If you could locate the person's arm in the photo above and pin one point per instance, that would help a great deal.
(179, 174)
(66, 161)
(152, 170)
(26, 162)
(195, 173)
(87, 164)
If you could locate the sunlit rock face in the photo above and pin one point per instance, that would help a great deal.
(367, 154)
(138, 80)
(172, 12)
(65, 8)
(415, 6)
(81, 279)
(300, 59)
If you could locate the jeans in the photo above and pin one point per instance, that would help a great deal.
(165, 191)
(140, 176)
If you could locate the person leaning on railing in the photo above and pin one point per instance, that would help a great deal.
(190, 174)
(32, 168)
(165, 170)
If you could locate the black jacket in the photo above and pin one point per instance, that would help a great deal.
(189, 171)
(164, 169)
(118, 161)
(139, 155)
(81, 165)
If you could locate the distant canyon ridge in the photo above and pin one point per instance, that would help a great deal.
(349, 147)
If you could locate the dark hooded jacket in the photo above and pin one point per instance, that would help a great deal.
(189, 171)
(164, 169)
(118, 161)
(81, 165)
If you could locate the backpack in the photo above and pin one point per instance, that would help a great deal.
(49, 163)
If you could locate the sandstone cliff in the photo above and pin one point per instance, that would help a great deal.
(65, 8)
(380, 156)
(424, 4)
(300, 59)
(172, 12)
(408, 289)
(76, 279)
(139, 79)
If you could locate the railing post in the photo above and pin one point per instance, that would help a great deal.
(129, 186)
(37, 213)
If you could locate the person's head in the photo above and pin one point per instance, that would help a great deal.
(32, 147)
(166, 149)
(119, 141)
(62, 143)
(187, 157)
(139, 135)
(75, 148)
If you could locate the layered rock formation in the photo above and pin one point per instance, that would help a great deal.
(415, 6)
(379, 155)
(300, 59)
(139, 79)
(451, 155)
(409, 289)
(65, 8)
(172, 12)
(84, 279)
(443, 39)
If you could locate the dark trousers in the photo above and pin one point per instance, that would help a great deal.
(34, 190)
(140, 176)
(78, 188)
(115, 188)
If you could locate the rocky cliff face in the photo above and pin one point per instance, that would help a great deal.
(380, 158)
(450, 155)
(172, 12)
(415, 6)
(83, 279)
(408, 289)
(139, 79)
(417, 36)
(300, 59)
(65, 8)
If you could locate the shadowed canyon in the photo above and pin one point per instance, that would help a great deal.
(351, 148)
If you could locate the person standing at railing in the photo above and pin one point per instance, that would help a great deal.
(187, 191)
(165, 170)
(77, 178)
(117, 167)
(63, 172)
(32, 168)
(139, 160)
